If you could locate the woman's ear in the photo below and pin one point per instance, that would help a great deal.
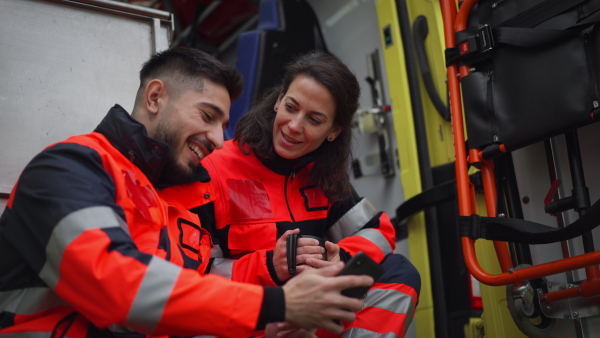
(278, 102)
(335, 131)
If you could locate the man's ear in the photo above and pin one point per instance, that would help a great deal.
(153, 94)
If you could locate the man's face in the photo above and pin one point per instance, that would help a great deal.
(192, 125)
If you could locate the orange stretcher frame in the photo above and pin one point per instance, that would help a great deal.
(454, 21)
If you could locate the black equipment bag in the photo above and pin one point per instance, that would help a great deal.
(535, 70)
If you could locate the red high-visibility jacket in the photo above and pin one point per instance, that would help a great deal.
(257, 201)
(87, 251)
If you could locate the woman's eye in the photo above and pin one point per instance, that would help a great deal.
(314, 120)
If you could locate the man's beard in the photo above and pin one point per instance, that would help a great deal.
(172, 171)
(176, 174)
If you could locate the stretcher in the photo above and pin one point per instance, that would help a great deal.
(519, 73)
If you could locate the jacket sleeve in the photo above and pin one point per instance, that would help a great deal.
(358, 226)
(63, 220)
(255, 268)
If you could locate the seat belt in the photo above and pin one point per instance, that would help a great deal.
(435, 195)
(427, 198)
(522, 231)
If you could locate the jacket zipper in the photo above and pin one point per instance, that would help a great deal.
(290, 176)
(285, 193)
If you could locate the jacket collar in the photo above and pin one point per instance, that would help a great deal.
(284, 166)
(131, 139)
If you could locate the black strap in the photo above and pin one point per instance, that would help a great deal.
(514, 36)
(430, 197)
(452, 56)
(531, 37)
(484, 38)
(531, 17)
(522, 231)
(435, 195)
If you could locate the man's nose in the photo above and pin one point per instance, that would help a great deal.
(216, 136)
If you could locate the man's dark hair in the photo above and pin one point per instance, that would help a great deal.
(187, 68)
(330, 171)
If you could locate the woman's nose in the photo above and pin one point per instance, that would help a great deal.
(295, 123)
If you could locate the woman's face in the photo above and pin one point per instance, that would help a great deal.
(304, 120)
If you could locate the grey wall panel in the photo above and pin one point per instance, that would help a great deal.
(63, 65)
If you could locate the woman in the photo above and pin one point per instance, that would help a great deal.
(286, 171)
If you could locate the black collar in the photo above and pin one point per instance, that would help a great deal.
(131, 139)
(284, 166)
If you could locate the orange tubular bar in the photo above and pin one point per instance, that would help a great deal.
(532, 272)
(586, 289)
(465, 194)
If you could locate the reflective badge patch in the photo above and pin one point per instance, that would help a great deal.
(142, 197)
(189, 235)
(314, 199)
(248, 200)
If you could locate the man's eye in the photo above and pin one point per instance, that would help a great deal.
(207, 116)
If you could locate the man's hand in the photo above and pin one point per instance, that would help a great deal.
(308, 248)
(313, 298)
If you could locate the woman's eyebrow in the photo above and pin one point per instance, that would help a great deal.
(314, 112)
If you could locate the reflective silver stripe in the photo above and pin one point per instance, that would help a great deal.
(390, 300)
(29, 301)
(222, 267)
(152, 296)
(26, 335)
(32, 301)
(377, 238)
(362, 333)
(393, 301)
(216, 251)
(68, 229)
(352, 221)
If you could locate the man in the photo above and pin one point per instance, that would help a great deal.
(85, 241)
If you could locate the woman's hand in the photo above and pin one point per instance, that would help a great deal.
(333, 256)
(308, 248)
